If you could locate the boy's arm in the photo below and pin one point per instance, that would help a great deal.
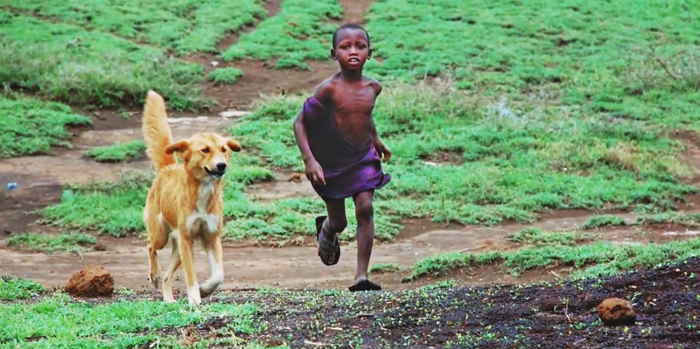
(302, 140)
(384, 152)
(314, 172)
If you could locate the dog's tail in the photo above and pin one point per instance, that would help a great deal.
(156, 131)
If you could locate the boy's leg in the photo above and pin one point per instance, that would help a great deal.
(334, 224)
(364, 211)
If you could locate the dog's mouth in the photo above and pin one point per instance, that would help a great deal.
(215, 173)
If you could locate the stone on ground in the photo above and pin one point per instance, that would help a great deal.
(616, 311)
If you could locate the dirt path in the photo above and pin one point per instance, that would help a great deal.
(299, 267)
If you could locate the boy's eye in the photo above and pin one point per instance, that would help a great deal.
(205, 150)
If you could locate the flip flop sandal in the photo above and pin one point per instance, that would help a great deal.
(325, 246)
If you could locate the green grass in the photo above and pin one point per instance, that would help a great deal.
(184, 26)
(381, 268)
(119, 152)
(57, 322)
(590, 260)
(32, 127)
(90, 68)
(685, 219)
(227, 76)
(113, 208)
(295, 34)
(546, 156)
(600, 221)
(13, 288)
(62, 243)
(538, 237)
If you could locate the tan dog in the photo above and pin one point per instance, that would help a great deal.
(185, 202)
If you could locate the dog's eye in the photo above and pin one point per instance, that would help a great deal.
(223, 149)
(205, 150)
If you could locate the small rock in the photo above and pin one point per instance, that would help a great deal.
(92, 281)
(100, 247)
(233, 113)
(296, 178)
(215, 63)
(616, 311)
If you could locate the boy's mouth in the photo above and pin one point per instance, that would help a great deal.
(354, 60)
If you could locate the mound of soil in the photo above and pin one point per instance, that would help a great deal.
(564, 315)
(92, 281)
(616, 311)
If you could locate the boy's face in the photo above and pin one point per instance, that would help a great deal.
(352, 49)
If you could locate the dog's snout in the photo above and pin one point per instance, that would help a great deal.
(221, 166)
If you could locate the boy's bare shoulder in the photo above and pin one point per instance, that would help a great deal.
(374, 84)
(325, 90)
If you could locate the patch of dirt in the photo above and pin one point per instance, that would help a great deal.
(259, 79)
(354, 10)
(255, 264)
(19, 207)
(281, 187)
(272, 7)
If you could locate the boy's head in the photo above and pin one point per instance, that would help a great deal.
(351, 46)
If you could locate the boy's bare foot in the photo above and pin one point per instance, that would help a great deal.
(328, 250)
(364, 284)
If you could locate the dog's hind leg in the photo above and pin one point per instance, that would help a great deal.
(175, 263)
(157, 238)
(215, 255)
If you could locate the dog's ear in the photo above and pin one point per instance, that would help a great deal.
(233, 145)
(179, 147)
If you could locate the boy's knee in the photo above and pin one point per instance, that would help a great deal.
(364, 210)
(337, 226)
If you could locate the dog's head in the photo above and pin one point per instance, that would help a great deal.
(205, 154)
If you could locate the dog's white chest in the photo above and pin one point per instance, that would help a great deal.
(201, 220)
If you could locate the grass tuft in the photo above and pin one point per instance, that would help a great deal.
(119, 152)
(62, 243)
(600, 221)
(227, 76)
(14, 288)
(590, 260)
(538, 237)
(32, 127)
(382, 268)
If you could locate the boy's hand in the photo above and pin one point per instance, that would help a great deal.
(314, 172)
(382, 150)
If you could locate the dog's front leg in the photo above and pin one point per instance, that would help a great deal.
(187, 258)
(216, 261)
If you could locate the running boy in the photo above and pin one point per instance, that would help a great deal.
(340, 147)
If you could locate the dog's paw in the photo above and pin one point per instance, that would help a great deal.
(156, 281)
(194, 300)
(207, 289)
(193, 296)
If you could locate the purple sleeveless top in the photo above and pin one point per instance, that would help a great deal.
(348, 169)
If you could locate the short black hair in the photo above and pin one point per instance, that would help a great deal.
(348, 26)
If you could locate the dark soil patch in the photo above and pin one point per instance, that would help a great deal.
(259, 79)
(20, 207)
(272, 7)
(501, 316)
(354, 10)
